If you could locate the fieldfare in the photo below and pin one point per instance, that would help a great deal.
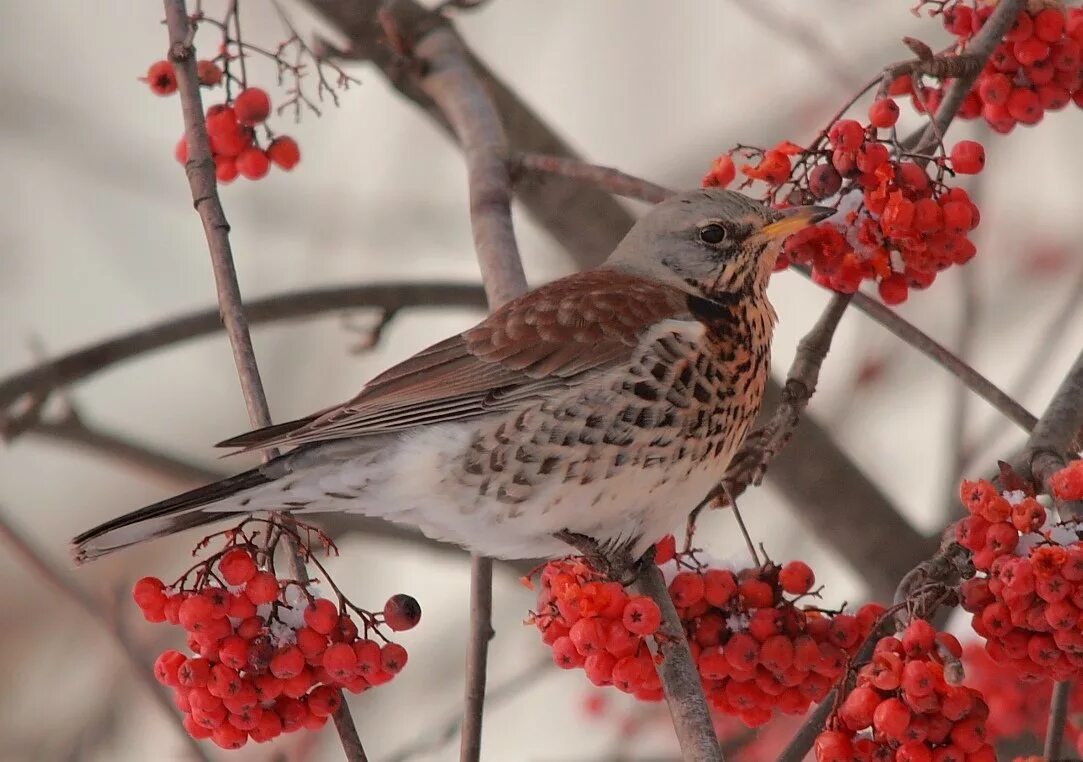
(606, 404)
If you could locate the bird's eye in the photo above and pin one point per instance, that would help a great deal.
(712, 234)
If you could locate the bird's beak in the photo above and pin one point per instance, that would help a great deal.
(794, 219)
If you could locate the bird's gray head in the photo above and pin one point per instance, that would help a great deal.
(711, 242)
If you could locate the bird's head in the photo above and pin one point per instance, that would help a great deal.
(711, 242)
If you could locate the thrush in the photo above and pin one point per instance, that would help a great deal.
(606, 404)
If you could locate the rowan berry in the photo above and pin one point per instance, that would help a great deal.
(253, 164)
(884, 113)
(161, 78)
(237, 566)
(393, 658)
(252, 105)
(846, 134)
(262, 588)
(642, 616)
(968, 157)
(209, 73)
(284, 152)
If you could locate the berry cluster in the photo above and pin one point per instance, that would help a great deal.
(755, 648)
(1027, 599)
(1037, 67)
(903, 228)
(907, 706)
(234, 145)
(593, 624)
(758, 650)
(268, 656)
(1019, 705)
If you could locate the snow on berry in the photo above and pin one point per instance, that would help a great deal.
(905, 707)
(756, 649)
(267, 655)
(1027, 598)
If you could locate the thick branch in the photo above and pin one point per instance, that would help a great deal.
(449, 79)
(200, 169)
(680, 678)
(585, 221)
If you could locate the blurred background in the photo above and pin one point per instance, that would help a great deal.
(99, 237)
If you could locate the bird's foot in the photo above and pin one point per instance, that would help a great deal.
(614, 561)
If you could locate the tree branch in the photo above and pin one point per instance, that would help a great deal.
(583, 220)
(1058, 715)
(19, 392)
(200, 170)
(449, 79)
(42, 569)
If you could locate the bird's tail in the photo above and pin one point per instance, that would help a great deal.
(190, 509)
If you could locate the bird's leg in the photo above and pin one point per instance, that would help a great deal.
(615, 561)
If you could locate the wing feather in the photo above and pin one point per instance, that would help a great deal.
(586, 323)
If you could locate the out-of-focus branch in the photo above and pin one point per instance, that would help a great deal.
(200, 169)
(41, 568)
(948, 360)
(21, 394)
(586, 222)
(448, 77)
(443, 732)
(613, 180)
(804, 37)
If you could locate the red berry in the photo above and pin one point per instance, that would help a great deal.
(287, 663)
(968, 157)
(322, 616)
(796, 578)
(225, 169)
(340, 661)
(284, 152)
(253, 163)
(252, 105)
(180, 153)
(393, 658)
(166, 667)
(891, 718)
(208, 72)
(262, 588)
(893, 289)
(847, 134)
(721, 174)
(995, 88)
(1049, 25)
(402, 612)
(162, 78)
(237, 566)
(642, 616)
(883, 113)
(833, 746)
(824, 181)
(686, 589)
(149, 592)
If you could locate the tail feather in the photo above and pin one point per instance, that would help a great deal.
(167, 517)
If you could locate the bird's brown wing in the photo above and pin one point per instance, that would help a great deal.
(580, 324)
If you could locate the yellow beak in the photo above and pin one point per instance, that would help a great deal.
(794, 219)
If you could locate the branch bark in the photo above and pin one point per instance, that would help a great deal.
(1058, 715)
(200, 170)
(450, 80)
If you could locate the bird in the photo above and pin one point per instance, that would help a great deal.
(604, 405)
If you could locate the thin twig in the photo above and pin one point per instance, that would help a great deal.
(200, 170)
(803, 36)
(44, 570)
(613, 180)
(445, 731)
(945, 358)
(1058, 715)
(450, 80)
